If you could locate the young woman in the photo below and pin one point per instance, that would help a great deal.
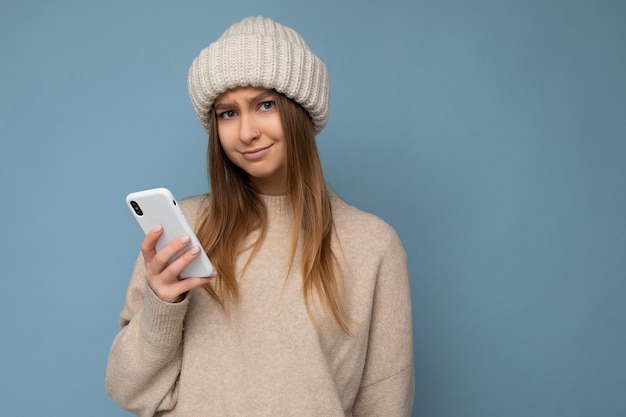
(309, 313)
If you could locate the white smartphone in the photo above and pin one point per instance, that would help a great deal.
(158, 206)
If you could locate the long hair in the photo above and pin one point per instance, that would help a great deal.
(234, 197)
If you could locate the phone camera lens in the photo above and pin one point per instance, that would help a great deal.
(136, 207)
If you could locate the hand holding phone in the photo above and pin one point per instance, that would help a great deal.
(174, 259)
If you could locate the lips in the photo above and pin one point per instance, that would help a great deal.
(257, 153)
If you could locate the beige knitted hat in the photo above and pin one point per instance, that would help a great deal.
(259, 52)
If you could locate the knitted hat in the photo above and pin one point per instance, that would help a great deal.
(259, 52)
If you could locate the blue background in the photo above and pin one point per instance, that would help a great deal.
(490, 134)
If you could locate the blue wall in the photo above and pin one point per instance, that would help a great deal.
(490, 134)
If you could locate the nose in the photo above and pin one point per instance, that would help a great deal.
(247, 130)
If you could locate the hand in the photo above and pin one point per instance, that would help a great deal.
(163, 278)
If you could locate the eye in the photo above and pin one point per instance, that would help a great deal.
(228, 114)
(266, 106)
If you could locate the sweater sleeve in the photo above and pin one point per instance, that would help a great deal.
(388, 386)
(145, 357)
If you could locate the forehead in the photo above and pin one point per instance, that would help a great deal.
(241, 93)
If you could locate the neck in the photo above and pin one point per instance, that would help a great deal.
(272, 187)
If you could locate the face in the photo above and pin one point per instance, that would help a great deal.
(251, 134)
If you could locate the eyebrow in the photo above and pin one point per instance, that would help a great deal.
(259, 97)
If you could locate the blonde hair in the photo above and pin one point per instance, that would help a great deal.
(234, 197)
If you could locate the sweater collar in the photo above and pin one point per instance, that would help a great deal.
(279, 213)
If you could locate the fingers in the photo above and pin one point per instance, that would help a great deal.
(162, 273)
(148, 245)
(163, 257)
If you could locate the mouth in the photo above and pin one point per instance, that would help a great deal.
(256, 153)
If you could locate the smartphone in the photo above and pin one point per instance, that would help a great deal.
(158, 206)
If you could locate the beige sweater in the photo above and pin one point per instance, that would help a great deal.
(267, 358)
